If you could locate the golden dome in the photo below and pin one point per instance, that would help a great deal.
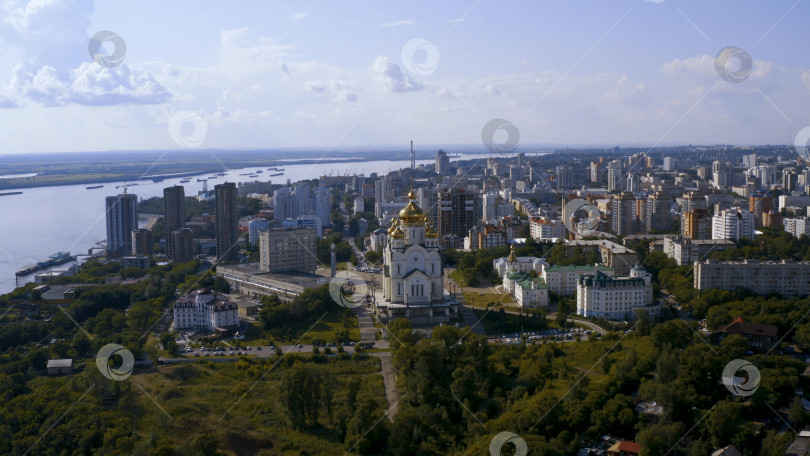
(429, 231)
(411, 213)
(411, 194)
(398, 233)
(394, 223)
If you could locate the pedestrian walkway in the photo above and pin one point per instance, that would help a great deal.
(471, 320)
(366, 324)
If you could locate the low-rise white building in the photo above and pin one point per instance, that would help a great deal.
(524, 264)
(202, 310)
(528, 291)
(615, 298)
(563, 279)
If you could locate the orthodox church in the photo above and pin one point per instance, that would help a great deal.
(413, 278)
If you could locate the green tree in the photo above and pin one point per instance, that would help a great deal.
(305, 392)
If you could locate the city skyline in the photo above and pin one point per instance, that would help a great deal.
(290, 76)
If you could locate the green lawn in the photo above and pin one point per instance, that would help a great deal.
(331, 327)
(490, 300)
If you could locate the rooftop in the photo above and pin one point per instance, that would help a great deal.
(60, 363)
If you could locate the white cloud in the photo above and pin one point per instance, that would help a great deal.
(399, 23)
(390, 75)
(298, 16)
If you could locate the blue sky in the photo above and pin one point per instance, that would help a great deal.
(331, 74)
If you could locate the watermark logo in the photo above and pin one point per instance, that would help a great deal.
(733, 64)
(492, 136)
(802, 138)
(420, 56)
(497, 443)
(581, 217)
(741, 385)
(107, 365)
(98, 47)
(348, 289)
(188, 129)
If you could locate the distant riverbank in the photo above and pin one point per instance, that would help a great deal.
(139, 174)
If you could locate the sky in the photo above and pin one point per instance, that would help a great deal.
(337, 74)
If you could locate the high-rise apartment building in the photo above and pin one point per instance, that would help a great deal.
(623, 214)
(442, 163)
(174, 215)
(428, 200)
(288, 249)
(227, 221)
(182, 245)
(614, 170)
(142, 242)
(657, 214)
(456, 212)
(697, 224)
(383, 190)
(122, 219)
(565, 177)
(322, 202)
(733, 224)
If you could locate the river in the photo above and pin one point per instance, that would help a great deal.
(44, 220)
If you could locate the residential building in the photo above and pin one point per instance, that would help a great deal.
(202, 310)
(657, 214)
(250, 188)
(383, 190)
(797, 226)
(283, 249)
(182, 245)
(686, 251)
(254, 226)
(456, 212)
(381, 209)
(563, 279)
(359, 205)
(615, 256)
(615, 298)
(785, 278)
(137, 261)
(697, 224)
(759, 204)
(623, 448)
(322, 202)
(60, 366)
(122, 219)
(734, 224)
(623, 214)
(565, 177)
(227, 221)
(174, 214)
(614, 171)
(761, 337)
(428, 199)
(669, 164)
(142, 242)
(442, 163)
(544, 228)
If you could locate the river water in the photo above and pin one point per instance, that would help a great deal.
(44, 220)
